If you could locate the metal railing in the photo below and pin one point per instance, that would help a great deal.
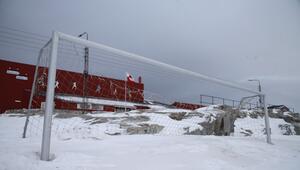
(212, 100)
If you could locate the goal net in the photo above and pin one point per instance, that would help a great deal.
(84, 89)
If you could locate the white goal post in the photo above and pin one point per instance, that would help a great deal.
(57, 36)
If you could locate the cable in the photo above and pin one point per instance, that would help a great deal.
(17, 30)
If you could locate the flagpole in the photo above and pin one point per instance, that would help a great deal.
(125, 91)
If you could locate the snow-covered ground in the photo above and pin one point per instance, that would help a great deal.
(128, 152)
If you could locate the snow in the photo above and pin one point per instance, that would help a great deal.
(163, 110)
(121, 103)
(174, 127)
(209, 112)
(257, 126)
(97, 101)
(212, 109)
(146, 152)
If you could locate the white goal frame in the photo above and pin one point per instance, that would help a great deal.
(56, 36)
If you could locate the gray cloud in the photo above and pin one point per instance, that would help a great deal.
(232, 40)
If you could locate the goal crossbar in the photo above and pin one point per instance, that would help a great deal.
(91, 44)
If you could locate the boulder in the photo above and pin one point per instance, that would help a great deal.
(177, 116)
(246, 132)
(219, 121)
(296, 128)
(286, 129)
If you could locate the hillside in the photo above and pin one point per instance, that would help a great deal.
(117, 141)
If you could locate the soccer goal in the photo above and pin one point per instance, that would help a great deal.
(75, 75)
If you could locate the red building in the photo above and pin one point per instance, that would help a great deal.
(102, 93)
(188, 106)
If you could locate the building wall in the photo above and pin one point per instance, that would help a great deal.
(16, 81)
(14, 89)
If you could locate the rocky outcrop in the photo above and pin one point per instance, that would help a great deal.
(289, 117)
(177, 116)
(135, 119)
(144, 128)
(286, 129)
(246, 132)
(296, 128)
(212, 120)
(218, 121)
(254, 114)
(292, 126)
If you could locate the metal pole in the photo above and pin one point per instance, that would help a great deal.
(201, 99)
(267, 122)
(259, 89)
(33, 88)
(125, 91)
(32, 93)
(45, 151)
(85, 73)
(260, 99)
(85, 78)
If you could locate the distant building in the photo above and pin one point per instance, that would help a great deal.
(103, 93)
(283, 108)
(188, 106)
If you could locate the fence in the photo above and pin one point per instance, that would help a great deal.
(211, 100)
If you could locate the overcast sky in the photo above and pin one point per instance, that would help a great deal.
(234, 39)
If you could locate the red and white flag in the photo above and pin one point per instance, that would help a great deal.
(129, 77)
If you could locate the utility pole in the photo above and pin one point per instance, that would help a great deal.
(259, 89)
(125, 95)
(85, 74)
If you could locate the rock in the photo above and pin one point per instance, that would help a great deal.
(254, 114)
(286, 129)
(99, 120)
(289, 117)
(208, 129)
(144, 129)
(136, 119)
(223, 125)
(218, 122)
(274, 114)
(296, 128)
(177, 116)
(246, 132)
(242, 114)
(113, 133)
(196, 132)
